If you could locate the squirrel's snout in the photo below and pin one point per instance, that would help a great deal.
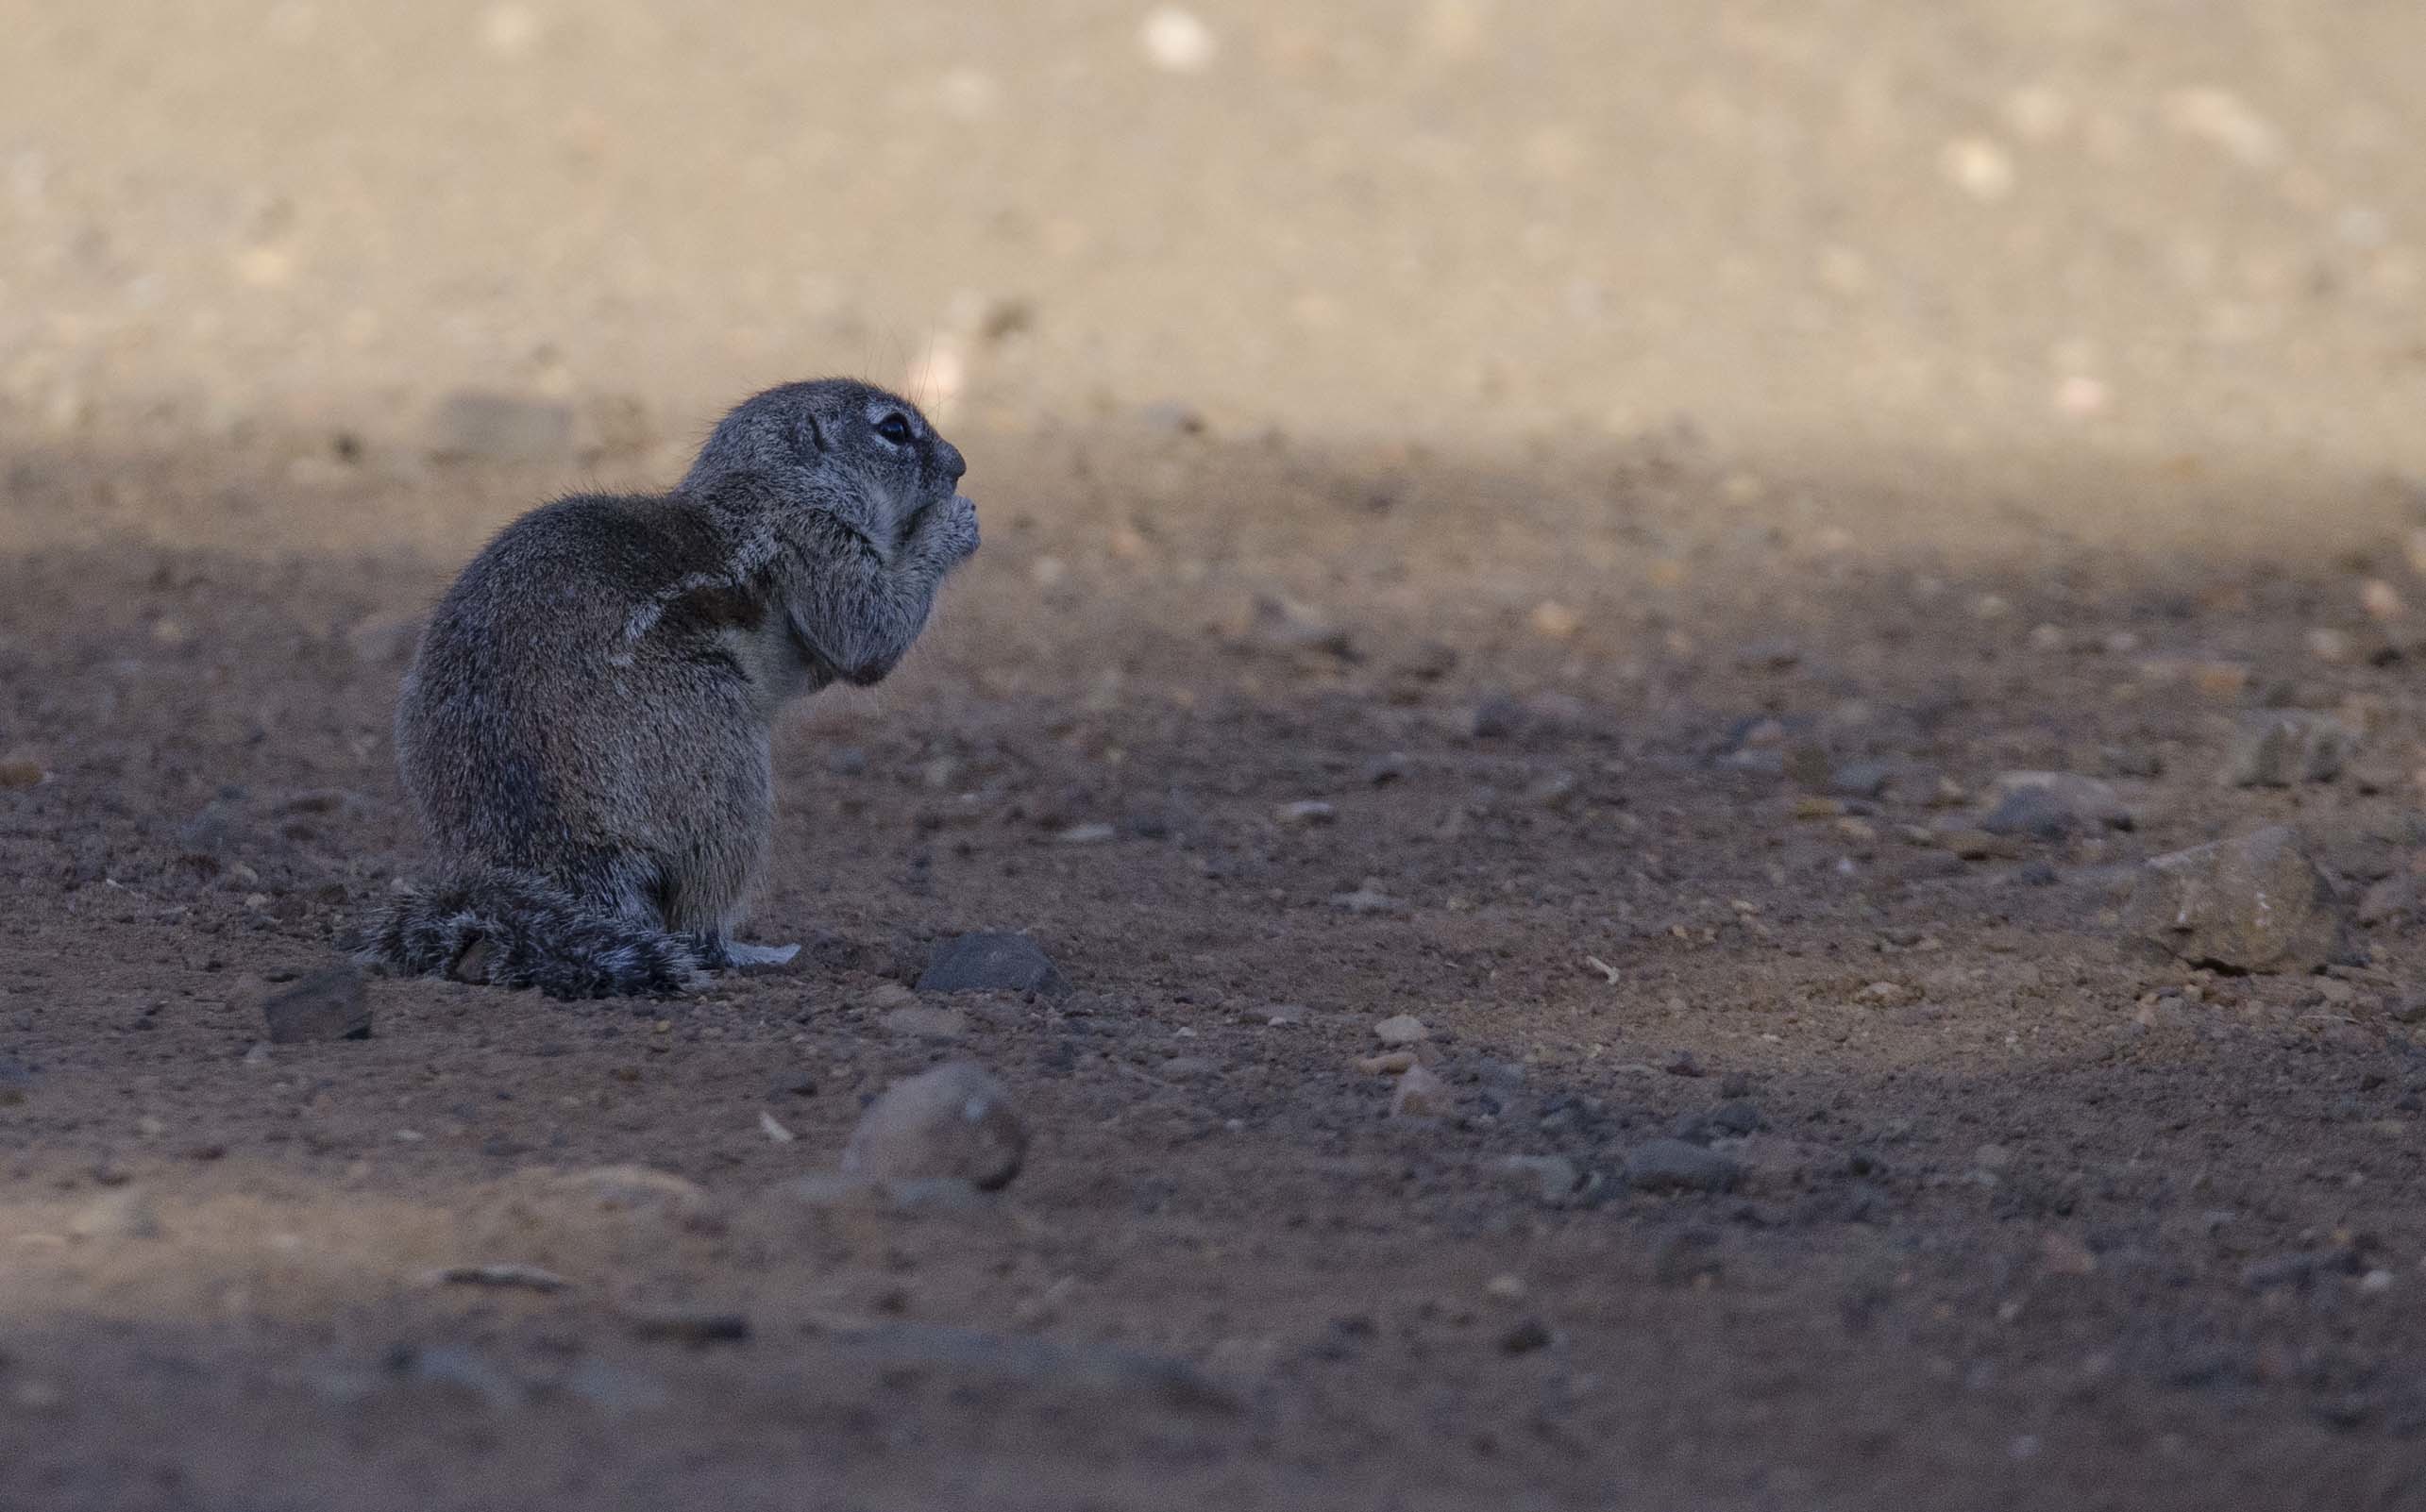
(949, 458)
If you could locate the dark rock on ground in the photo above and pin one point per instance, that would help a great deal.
(329, 1005)
(2052, 806)
(992, 961)
(1674, 1166)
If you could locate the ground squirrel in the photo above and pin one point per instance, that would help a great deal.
(583, 731)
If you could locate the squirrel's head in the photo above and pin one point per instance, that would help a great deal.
(835, 444)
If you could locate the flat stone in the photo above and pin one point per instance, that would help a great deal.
(992, 961)
(954, 1121)
(1674, 1166)
(2253, 903)
(328, 1005)
(2052, 806)
(2282, 748)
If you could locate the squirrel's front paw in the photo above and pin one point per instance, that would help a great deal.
(953, 527)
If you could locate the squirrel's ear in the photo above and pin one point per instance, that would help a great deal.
(808, 440)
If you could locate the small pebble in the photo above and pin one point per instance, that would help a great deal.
(1524, 1337)
(1391, 766)
(1497, 718)
(1365, 899)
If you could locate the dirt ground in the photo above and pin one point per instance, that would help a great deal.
(1644, 471)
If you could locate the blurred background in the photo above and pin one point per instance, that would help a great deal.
(2185, 233)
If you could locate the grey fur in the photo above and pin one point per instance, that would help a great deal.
(584, 729)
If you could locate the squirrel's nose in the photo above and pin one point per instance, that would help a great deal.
(948, 456)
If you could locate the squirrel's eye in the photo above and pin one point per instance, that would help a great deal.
(895, 428)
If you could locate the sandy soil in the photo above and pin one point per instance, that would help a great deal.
(1567, 441)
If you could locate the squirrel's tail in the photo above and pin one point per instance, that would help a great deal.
(511, 929)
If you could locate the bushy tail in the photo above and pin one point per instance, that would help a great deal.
(513, 930)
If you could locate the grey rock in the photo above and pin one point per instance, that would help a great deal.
(954, 1121)
(1366, 899)
(461, 1369)
(1728, 1121)
(1497, 718)
(477, 425)
(1674, 1166)
(614, 1390)
(2297, 1269)
(992, 961)
(1860, 780)
(2052, 806)
(1391, 766)
(2253, 903)
(2395, 899)
(1401, 1030)
(1551, 1179)
(328, 1005)
(2282, 748)
(1281, 628)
